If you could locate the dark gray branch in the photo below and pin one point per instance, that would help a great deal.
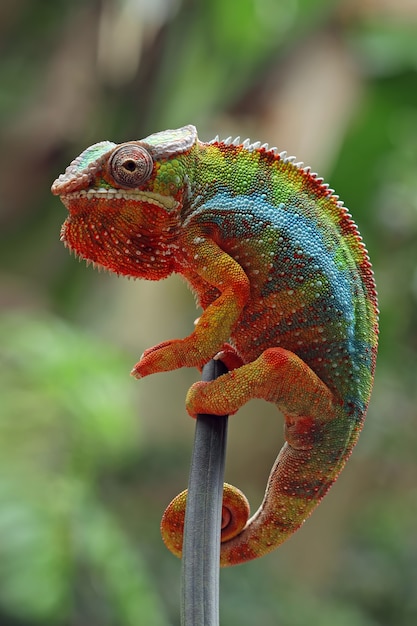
(201, 546)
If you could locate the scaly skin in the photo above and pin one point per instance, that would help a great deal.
(280, 272)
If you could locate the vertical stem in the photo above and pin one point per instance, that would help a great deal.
(201, 545)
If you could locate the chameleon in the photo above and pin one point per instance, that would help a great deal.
(285, 286)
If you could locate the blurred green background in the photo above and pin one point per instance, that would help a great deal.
(89, 457)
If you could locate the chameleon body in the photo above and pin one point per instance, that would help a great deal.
(286, 288)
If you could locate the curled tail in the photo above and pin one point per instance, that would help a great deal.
(292, 493)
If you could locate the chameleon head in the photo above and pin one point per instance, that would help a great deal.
(123, 202)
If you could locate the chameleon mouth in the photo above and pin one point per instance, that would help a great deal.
(167, 203)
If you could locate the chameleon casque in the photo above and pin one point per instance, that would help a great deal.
(285, 284)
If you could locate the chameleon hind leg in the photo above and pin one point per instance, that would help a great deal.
(278, 376)
(318, 441)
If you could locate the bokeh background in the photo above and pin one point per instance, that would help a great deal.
(89, 457)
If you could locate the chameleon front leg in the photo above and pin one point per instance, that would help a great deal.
(319, 437)
(213, 328)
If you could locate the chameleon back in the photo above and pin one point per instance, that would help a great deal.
(312, 286)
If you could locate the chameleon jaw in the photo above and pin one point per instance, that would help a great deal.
(78, 255)
(128, 232)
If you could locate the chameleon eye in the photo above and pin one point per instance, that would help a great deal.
(130, 166)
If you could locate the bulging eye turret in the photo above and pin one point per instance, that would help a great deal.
(130, 166)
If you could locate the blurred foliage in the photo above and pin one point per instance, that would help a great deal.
(89, 457)
(67, 419)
